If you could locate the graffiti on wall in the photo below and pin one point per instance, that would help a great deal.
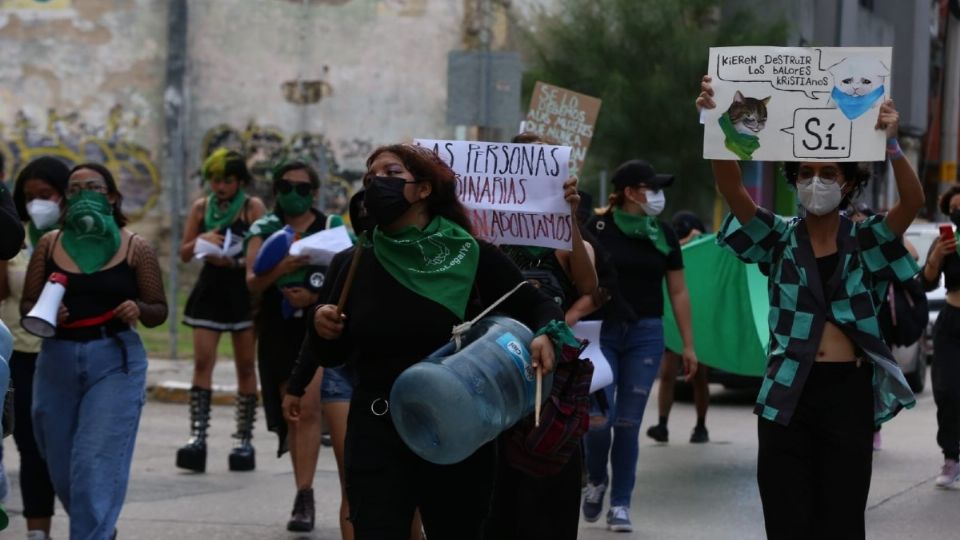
(265, 147)
(68, 137)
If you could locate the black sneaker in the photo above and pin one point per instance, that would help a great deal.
(659, 433)
(700, 435)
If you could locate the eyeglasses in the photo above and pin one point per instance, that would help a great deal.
(286, 186)
(828, 175)
(90, 184)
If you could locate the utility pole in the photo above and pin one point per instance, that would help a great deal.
(951, 102)
(174, 105)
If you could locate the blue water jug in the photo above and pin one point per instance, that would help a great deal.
(453, 402)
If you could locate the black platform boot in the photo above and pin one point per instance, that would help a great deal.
(193, 456)
(302, 517)
(242, 457)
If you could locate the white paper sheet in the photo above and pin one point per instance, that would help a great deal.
(322, 246)
(602, 374)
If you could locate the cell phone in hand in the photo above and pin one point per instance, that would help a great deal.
(946, 232)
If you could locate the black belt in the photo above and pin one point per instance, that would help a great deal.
(104, 331)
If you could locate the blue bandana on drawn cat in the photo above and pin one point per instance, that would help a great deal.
(857, 84)
(741, 124)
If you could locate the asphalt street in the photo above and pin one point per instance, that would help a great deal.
(684, 491)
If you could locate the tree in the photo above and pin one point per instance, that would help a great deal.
(644, 59)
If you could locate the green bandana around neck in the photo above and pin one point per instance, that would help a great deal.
(215, 219)
(741, 144)
(35, 234)
(438, 263)
(90, 234)
(641, 227)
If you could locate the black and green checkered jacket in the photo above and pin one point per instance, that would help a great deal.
(871, 257)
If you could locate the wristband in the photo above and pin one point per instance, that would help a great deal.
(893, 149)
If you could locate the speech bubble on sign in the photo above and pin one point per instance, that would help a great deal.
(820, 134)
(786, 69)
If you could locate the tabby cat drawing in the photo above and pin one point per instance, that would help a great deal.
(742, 123)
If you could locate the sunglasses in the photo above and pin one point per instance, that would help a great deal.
(286, 186)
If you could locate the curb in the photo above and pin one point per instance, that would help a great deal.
(179, 392)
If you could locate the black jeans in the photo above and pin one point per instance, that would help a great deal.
(814, 474)
(528, 507)
(386, 482)
(35, 485)
(945, 376)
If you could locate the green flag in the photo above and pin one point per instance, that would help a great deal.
(730, 308)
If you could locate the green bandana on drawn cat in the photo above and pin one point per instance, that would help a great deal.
(741, 144)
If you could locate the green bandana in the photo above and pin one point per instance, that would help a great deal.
(438, 263)
(34, 233)
(294, 204)
(637, 226)
(90, 234)
(741, 144)
(215, 218)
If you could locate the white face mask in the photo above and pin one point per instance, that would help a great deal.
(43, 213)
(818, 198)
(656, 200)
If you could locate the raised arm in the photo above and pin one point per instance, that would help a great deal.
(727, 172)
(902, 214)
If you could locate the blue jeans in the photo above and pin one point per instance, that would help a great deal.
(634, 351)
(86, 411)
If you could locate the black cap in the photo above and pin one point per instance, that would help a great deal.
(637, 171)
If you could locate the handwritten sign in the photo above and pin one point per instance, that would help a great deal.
(565, 116)
(514, 192)
(797, 103)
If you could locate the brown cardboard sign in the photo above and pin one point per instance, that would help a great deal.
(566, 116)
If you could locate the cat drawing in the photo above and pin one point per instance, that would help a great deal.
(742, 123)
(857, 84)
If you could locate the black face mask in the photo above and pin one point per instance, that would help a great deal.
(955, 217)
(384, 199)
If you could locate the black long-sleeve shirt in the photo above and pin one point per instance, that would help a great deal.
(11, 230)
(389, 327)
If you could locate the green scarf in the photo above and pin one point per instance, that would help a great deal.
(90, 234)
(35, 234)
(438, 262)
(215, 218)
(642, 227)
(741, 144)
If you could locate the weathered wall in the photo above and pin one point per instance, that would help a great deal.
(82, 79)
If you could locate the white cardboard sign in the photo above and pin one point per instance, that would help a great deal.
(513, 192)
(797, 103)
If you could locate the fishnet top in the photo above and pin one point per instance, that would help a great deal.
(141, 258)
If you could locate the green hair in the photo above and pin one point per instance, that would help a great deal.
(224, 163)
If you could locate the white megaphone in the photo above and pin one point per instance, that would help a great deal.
(42, 319)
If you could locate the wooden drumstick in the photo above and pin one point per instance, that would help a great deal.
(536, 413)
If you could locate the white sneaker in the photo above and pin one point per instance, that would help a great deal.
(949, 474)
(37, 535)
(618, 519)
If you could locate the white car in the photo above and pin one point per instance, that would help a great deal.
(915, 358)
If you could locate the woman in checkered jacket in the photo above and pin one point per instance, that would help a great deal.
(830, 377)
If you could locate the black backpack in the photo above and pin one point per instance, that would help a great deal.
(904, 314)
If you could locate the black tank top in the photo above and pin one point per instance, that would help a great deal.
(826, 266)
(92, 295)
(238, 229)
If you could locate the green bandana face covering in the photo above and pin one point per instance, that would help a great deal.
(741, 144)
(215, 219)
(90, 234)
(438, 263)
(294, 204)
(637, 226)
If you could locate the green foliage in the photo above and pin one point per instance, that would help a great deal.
(644, 59)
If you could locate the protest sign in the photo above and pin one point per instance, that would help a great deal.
(797, 103)
(565, 116)
(513, 192)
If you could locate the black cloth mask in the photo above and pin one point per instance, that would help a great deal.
(384, 200)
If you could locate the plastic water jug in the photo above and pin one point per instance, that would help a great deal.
(453, 402)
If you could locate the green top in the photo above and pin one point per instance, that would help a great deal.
(438, 262)
(741, 144)
(642, 227)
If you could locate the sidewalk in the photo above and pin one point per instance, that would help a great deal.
(169, 381)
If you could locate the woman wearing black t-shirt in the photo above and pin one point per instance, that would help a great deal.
(644, 251)
(424, 274)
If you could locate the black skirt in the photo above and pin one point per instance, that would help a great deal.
(219, 301)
